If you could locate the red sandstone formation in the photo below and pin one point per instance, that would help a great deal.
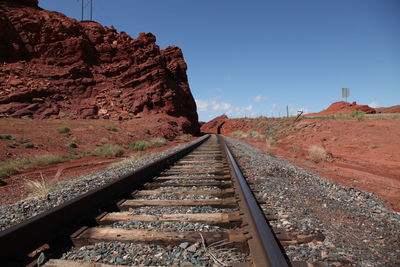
(392, 109)
(343, 107)
(224, 125)
(214, 126)
(54, 66)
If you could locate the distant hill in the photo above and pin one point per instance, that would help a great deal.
(343, 107)
(392, 109)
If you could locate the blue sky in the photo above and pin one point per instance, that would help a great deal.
(251, 58)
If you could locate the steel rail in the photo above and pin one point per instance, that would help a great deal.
(27, 236)
(263, 246)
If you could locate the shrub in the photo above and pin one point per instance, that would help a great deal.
(42, 187)
(6, 137)
(63, 129)
(48, 159)
(146, 131)
(358, 114)
(109, 151)
(239, 133)
(112, 128)
(139, 145)
(12, 144)
(10, 168)
(157, 142)
(72, 145)
(28, 145)
(317, 154)
(253, 134)
(24, 140)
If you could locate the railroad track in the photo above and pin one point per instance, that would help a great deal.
(195, 202)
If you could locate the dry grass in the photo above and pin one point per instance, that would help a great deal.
(11, 167)
(42, 187)
(109, 151)
(48, 159)
(140, 145)
(317, 154)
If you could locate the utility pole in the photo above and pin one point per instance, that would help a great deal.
(91, 9)
(82, 11)
(287, 111)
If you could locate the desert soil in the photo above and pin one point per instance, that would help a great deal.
(87, 134)
(362, 154)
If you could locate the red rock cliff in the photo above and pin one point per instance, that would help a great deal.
(54, 66)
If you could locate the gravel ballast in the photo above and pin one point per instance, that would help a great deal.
(144, 255)
(12, 214)
(357, 227)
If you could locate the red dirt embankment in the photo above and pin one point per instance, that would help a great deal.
(362, 154)
(87, 135)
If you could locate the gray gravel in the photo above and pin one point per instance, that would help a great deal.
(189, 188)
(173, 197)
(358, 228)
(141, 254)
(170, 226)
(12, 214)
(186, 181)
(180, 209)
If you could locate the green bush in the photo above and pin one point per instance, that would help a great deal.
(63, 129)
(6, 137)
(139, 145)
(239, 133)
(253, 134)
(358, 114)
(24, 140)
(28, 145)
(108, 151)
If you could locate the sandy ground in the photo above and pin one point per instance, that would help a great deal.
(362, 154)
(87, 134)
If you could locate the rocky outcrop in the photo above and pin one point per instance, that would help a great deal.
(215, 125)
(225, 126)
(392, 109)
(54, 66)
(343, 107)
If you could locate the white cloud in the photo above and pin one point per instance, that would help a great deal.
(259, 98)
(221, 106)
(375, 104)
(248, 108)
(216, 106)
(201, 105)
